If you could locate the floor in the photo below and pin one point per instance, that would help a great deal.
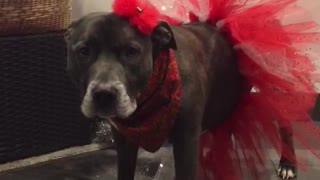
(101, 165)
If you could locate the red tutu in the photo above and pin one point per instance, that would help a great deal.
(276, 44)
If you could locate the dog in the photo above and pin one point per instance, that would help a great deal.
(111, 62)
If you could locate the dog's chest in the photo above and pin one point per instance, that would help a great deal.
(151, 124)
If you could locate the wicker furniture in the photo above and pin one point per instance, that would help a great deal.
(39, 107)
(33, 16)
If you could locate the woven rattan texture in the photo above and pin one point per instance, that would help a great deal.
(33, 16)
(39, 107)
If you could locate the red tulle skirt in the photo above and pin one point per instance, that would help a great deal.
(278, 52)
(278, 59)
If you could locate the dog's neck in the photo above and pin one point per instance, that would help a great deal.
(158, 106)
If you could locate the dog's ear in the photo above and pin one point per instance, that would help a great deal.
(162, 37)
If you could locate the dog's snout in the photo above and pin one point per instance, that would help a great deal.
(108, 99)
(103, 98)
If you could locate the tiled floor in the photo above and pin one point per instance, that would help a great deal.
(101, 165)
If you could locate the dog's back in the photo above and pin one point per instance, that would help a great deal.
(112, 63)
(208, 63)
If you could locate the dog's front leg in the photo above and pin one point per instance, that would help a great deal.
(185, 145)
(127, 157)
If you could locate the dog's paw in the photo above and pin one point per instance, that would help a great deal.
(287, 170)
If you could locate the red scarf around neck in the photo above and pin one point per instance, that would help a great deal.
(150, 125)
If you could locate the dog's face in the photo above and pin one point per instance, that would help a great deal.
(111, 62)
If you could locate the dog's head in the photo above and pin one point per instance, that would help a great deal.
(111, 62)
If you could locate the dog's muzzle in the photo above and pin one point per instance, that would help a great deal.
(107, 100)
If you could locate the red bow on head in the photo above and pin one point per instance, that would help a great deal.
(140, 13)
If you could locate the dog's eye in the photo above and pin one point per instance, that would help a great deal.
(132, 51)
(84, 51)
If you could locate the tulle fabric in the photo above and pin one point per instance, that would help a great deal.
(277, 45)
(146, 21)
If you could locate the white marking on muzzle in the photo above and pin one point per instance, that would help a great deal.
(125, 106)
(87, 106)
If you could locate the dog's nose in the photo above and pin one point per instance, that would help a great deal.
(103, 98)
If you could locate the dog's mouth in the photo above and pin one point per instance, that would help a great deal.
(107, 100)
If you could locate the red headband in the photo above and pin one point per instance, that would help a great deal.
(140, 13)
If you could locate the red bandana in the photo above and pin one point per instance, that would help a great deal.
(158, 106)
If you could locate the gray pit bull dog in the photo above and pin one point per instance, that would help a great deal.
(111, 63)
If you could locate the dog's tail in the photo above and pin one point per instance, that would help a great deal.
(276, 51)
